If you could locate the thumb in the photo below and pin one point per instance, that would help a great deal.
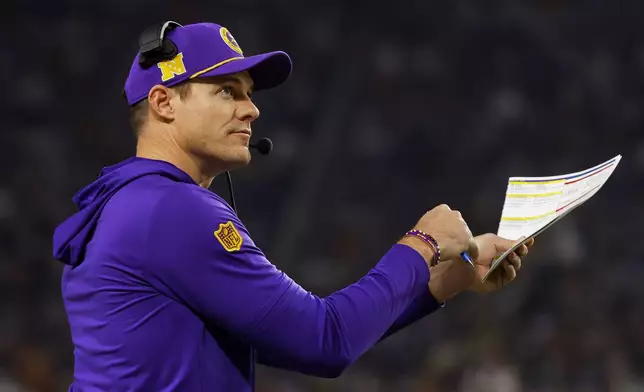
(502, 244)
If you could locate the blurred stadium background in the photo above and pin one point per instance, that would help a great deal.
(393, 107)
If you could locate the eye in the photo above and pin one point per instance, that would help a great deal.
(227, 90)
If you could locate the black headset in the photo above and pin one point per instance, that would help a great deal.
(154, 46)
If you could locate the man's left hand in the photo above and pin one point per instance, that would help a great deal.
(451, 277)
(491, 245)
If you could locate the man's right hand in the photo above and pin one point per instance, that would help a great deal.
(448, 229)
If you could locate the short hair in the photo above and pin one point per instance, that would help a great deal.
(139, 112)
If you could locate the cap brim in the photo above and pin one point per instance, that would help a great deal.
(267, 70)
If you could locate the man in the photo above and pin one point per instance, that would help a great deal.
(165, 289)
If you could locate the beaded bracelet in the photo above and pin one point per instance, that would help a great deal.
(429, 240)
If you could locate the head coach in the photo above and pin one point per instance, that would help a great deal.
(163, 286)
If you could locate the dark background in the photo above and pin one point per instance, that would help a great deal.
(392, 108)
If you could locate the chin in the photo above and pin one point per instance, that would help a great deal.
(237, 157)
(240, 163)
(220, 159)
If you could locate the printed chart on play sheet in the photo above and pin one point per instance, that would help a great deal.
(532, 204)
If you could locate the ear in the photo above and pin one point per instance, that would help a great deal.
(160, 103)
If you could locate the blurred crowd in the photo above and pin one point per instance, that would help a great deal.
(392, 108)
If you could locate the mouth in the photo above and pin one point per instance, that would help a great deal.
(246, 132)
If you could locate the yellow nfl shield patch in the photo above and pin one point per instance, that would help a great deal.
(229, 237)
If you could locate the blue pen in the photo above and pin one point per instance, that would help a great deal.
(466, 256)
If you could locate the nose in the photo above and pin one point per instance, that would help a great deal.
(247, 111)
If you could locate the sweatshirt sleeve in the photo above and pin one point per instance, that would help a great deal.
(423, 305)
(205, 256)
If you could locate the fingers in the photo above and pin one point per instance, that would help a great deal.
(527, 243)
(503, 244)
(509, 271)
(522, 251)
(512, 264)
(514, 259)
(473, 249)
(472, 246)
(449, 230)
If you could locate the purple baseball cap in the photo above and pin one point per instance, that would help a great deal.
(205, 49)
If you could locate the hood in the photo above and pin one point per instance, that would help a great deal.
(72, 236)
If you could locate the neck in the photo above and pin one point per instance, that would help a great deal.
(168, 150)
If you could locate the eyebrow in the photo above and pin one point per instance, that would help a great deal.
(237, 80)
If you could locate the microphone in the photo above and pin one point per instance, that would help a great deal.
(264, 146)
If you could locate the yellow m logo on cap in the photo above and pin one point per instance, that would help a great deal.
(171, 68)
